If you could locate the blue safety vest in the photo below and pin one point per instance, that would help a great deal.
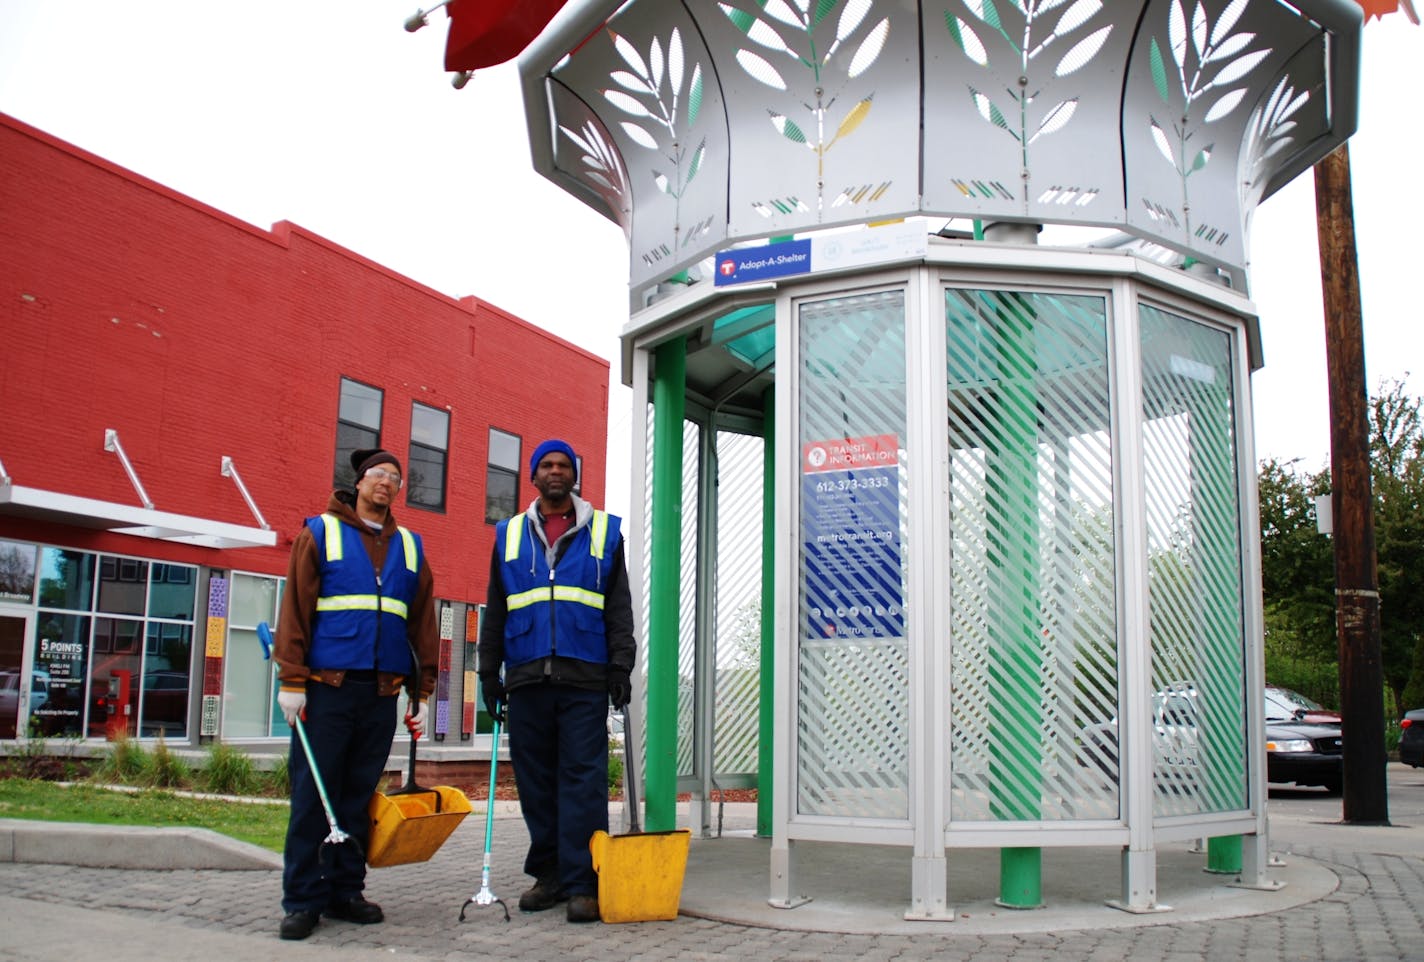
(360, 620)
(556, 612)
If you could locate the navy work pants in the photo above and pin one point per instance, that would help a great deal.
(350, 730)
(558, 741)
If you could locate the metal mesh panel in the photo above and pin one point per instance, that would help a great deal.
(1033, 648)
(738, 610)
(853, 666)
(1194, 576)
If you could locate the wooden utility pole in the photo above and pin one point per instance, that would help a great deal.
(1366, 801)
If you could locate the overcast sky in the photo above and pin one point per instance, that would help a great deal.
(328, 114)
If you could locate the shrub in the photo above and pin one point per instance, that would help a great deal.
(127, 763)
(229, 771)
(615, 768)
(279, 779)
(167, 769)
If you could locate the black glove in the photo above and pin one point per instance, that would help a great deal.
(494, 694)
(620, 687)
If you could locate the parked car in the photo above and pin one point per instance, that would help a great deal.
(1282, 704)
(1298, 752)
(1411, 739)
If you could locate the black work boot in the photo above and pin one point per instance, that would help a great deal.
(583, 908)
(298, 925)
(544, 895)
(356, 910)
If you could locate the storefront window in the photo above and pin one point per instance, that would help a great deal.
(123, 584)
(17, 572)
(66, 579)
(61, 655)
(170, 594)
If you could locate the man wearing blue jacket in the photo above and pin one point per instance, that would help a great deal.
(359, 596)
(559, 621)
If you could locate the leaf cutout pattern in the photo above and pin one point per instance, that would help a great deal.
(869, 49)
(758, 68)
(988, 111)
(1083, 51)
(1225, 105)
(1159, 71)
(967, 39)
(694, 96)
(1239, 68)
(1159, 137)
(1075, 16)
(1056, 119)
(639, 135)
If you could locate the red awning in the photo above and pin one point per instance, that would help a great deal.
(488, 32)
(1378, 8)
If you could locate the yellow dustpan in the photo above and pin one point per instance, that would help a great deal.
(639, 874)
(411, 823)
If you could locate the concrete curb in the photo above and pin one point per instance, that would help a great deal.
(127, 846)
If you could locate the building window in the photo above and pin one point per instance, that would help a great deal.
(429, 447)
(250, 708)
(502, 478)
(358, 425)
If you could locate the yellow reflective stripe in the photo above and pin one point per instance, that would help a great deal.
(599, 534)
(534, 596)
(393, 606)
(526, 598)
(512, 533)
(408, 539)
(333, 537)
(580, 595)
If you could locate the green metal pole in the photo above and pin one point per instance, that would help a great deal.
(664, 584)
(765, 732)
(1221, 669)
(1016, 654)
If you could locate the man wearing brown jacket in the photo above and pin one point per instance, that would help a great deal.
(359, 598)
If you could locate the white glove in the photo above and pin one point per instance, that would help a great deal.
(292, 704)
(416, 722)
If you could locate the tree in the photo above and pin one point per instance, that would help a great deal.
(1397, 466)
(1297, 565)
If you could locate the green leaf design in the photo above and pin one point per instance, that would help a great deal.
(1200, 160)
(696, 164)
(694, 96)
(788, 129)
(952, 22)
(740, 19)
(1159, 71)
(991, 15)
(823, 8)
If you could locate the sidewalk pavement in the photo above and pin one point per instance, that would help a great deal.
(1351, 893)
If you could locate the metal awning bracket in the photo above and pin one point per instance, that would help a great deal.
(111, 443)
(229, 470)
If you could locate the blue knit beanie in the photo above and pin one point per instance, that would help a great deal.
(549, 447)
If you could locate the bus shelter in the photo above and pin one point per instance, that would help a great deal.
(948, 538)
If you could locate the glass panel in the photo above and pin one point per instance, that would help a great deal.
(501, 494)
(360, 404)
(167, 681)
(249, 708)
(66, 579)
(430, 427)
(171, 593)
(350, 438)
(425, 485)
(123, 585)
(61, 656)
(1195, 594)
(1033, 629)
(253, 599)
(17, 571)
(853, 696)
(504, 450)
(114, 676)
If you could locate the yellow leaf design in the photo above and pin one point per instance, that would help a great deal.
(854, 118)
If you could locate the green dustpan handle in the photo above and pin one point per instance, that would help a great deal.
(489, 802)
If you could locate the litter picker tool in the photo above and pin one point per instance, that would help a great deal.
(484, 896)
(335, 836)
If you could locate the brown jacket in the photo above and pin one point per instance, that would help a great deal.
(299, 606)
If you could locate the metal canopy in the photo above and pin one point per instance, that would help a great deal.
(697, 125)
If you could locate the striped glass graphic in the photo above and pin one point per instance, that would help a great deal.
(1033, 630)
(738, 608)
(853, 666)
(1194, 555)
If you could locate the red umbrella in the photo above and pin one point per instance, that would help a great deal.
(1378, 8)
(484, 33)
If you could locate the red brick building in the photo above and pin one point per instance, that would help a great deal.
(157, 350)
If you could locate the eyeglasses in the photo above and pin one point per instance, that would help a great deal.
(381, 474)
